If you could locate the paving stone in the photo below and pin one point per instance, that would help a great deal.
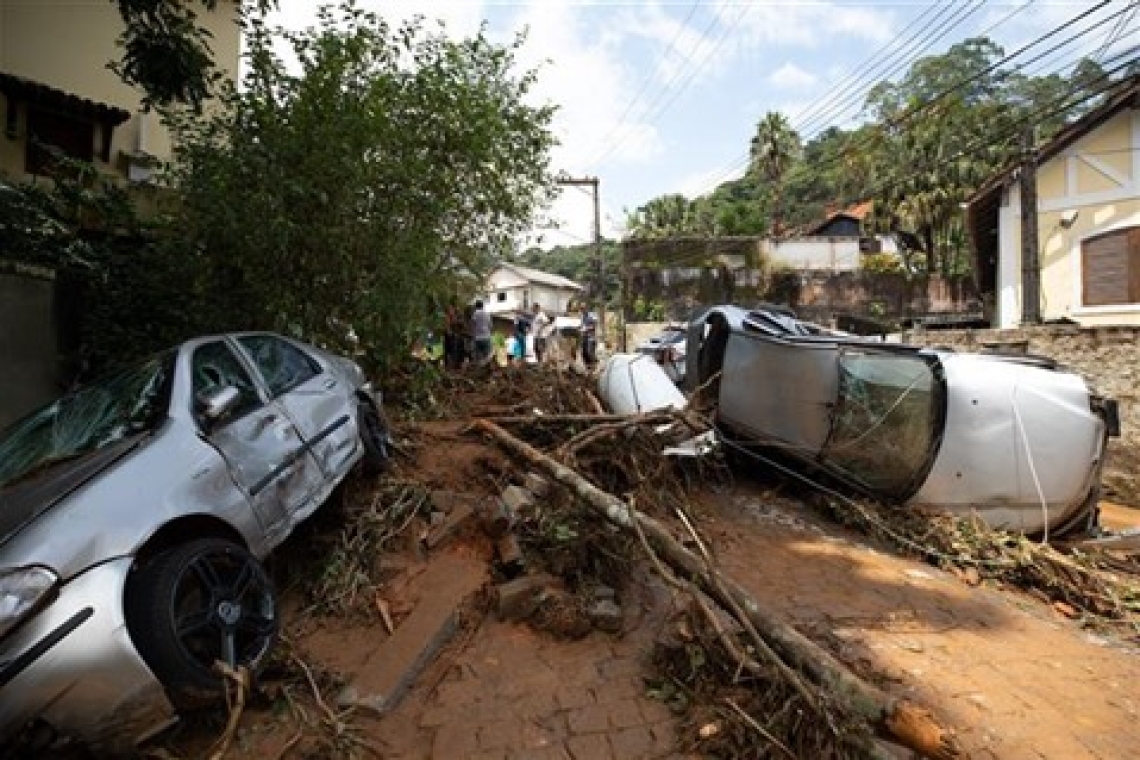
(448, 585)
(500, 734)
(588, 720)
(454, 740)
(590, 747)
(454, 523)
(624, 713)
(632, 742)
(571, 696)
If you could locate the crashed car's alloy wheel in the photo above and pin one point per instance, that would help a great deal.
(374, 437)
(197, 605)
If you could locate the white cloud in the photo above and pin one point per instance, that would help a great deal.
(812, 25)
(790, 76)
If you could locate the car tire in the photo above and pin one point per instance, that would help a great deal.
(374, 437)
(196, 604)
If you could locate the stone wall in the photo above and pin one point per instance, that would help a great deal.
(1107, 357)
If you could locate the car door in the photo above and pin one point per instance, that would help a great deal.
(263, 449)
(319, 404)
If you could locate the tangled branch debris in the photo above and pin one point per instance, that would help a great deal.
(1102, 587)
(849, 706)
(347, 576)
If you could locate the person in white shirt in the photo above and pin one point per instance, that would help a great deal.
(540, 326)
(481, 332)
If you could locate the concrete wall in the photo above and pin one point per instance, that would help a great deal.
(29, 361)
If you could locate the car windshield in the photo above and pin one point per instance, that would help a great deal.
(886, 422)
(97, 415)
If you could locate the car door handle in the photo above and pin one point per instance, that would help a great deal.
(329, 384)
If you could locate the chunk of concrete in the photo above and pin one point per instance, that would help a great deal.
(510, 554)
(606, 616)
(518, 599)
(456, 520)
(536, 484)
(517, 499)
(444, 591)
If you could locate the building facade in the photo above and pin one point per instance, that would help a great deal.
(512, 288)
(56, 87)
(1088, 223)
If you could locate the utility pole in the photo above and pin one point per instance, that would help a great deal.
(1030, 259)
(599, 262)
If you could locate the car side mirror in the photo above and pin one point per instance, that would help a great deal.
(216, 404)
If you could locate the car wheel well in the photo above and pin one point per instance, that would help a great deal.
(184, 530)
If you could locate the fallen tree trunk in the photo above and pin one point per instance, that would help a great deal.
(898, 720)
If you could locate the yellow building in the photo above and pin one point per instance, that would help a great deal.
(1088, 222)
(55, 85)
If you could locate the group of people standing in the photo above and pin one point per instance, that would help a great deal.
(467, 336)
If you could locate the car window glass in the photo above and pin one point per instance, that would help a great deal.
(94, 417)
(885, 423)
(283, 365)
(214, 367)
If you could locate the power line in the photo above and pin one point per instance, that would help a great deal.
(1056, 106)
(1114, 34)
(909, 115)
(663, 108)
(854, 77)
(895, 66)
(927, 105)
(649, 76)
(922, 42)
(677, 74)
(1049, 110)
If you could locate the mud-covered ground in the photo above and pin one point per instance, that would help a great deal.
(1012, 673)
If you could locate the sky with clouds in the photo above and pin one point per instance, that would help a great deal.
(662, 96)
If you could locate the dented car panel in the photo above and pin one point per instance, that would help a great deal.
(90, 483)
(1015, 439)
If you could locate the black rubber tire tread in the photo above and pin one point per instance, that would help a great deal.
(377, 458)
(188, 684)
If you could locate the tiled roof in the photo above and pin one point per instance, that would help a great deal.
(545, 278)
(28, 91)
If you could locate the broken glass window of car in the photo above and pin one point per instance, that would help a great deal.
(886, 422)
(102, 413)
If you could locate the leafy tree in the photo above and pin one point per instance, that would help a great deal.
(771, 153)
(166, 53)
(350, 200)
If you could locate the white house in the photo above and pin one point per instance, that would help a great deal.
(512, 288)
(835, 244)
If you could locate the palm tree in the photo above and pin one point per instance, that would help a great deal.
(773, 150)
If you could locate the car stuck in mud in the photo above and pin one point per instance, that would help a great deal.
(1016, 440)
(134, 514)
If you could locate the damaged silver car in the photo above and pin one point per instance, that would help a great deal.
(1015, 439)
(134, 514)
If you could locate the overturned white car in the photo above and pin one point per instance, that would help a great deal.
(1015, 439)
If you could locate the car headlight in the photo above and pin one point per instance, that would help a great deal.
(21, 591)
